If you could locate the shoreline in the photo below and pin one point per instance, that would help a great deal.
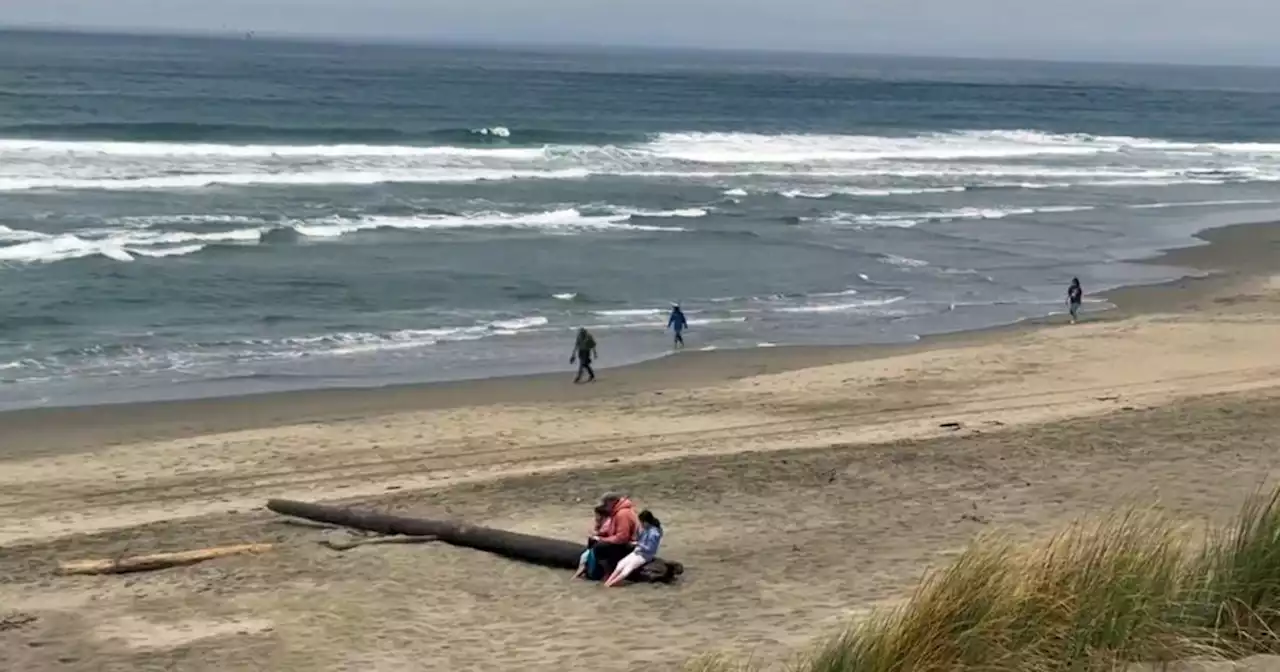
(1227, 256)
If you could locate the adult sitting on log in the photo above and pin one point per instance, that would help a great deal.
(623, 527)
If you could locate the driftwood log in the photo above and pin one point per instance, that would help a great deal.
(144, 563)
(527, 547)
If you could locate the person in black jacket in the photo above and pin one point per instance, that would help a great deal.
(584, 350)
(1075, 295)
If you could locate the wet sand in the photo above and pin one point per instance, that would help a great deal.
(801, 487)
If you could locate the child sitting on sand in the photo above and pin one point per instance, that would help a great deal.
(646, 549)
(603, 526)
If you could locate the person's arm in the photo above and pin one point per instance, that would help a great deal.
(618, 536)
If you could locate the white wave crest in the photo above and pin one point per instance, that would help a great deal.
(160, 252)
(631, 312)
(519, 323)
(904, 262)
(909, 219)
(351, 343)
(299, 179)
(19, 235)
(58, 248)
(146, 236)
(495, 131)
(170, 150)
(844, 307)
(1203, 204)
(865, 165)
(686, 213)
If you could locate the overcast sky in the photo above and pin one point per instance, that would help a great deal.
(1235, 31)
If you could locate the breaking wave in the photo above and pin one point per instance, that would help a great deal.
(165, 157)
(909, 219)
(148, 236)
(183, 132)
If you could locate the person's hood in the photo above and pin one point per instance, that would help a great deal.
(622, 504)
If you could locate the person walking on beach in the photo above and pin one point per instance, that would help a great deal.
(677, 324)
(1075, 295)
(584, 350)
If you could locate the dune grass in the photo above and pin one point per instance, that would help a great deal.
(1134, 587)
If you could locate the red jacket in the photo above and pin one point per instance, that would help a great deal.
(625, 524)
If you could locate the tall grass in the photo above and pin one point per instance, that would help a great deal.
(1132, 587)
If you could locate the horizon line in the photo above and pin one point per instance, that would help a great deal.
(229, 34)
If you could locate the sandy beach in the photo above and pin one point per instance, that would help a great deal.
(800, 486)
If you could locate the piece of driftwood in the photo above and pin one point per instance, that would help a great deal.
(145, 563)
(515, 545)
(349, 542)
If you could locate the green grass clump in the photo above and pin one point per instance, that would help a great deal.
(1130, 588)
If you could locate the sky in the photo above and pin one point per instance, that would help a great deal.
(1179, 31)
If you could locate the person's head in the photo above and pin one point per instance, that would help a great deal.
(601, 511)
(609, 500)
(1075, 282)
(649, 520)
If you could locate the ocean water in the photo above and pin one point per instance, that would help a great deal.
(185, 217)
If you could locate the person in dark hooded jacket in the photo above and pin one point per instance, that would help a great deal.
(584, 350)
(677, 323)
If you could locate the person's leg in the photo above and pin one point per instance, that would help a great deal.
(679, 338)
(605, 558)
(591, 374)
(1075, 310)
(625, 568)
(582, 564)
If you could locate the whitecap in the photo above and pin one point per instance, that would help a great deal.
(519, 323)
(58, 248)
(841, 307)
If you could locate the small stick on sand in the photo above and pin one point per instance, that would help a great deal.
(351, 542)
(145, 563)
(303, 522)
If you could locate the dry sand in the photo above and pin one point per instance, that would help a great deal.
(800, 488)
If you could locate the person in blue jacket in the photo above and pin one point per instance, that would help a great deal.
(677, 324)
(646, 549)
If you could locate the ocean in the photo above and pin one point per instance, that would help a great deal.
(184, 217)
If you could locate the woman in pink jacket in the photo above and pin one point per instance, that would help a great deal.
(620, 538)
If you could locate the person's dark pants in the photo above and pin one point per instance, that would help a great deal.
(584, 366)
(607, 557)
(680, 337)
